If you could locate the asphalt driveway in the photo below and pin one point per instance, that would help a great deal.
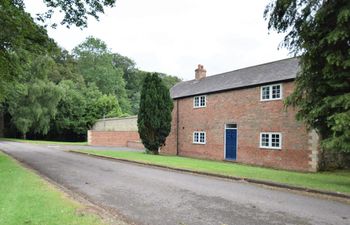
(155, 196)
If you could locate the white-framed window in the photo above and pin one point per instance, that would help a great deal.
(271, 140)
(271, 92)
(199, 101)
(199, 137)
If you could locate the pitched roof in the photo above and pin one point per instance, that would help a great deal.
(281, 70)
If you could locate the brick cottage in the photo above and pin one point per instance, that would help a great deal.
(240, 116)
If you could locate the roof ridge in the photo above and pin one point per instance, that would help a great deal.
(284, 69)
(262, 64)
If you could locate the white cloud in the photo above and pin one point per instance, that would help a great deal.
(174, 36)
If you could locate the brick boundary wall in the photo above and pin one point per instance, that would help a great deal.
(135, 144)
(113, 138)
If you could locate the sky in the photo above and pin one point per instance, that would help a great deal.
(174, 36)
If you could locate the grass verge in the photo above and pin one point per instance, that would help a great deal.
(43, 142)
(335, 181)
(27, 199)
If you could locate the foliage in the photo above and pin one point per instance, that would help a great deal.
(134, 79)
(134, 86)
(75, 12)
(168, 80)
(71, 110)
(48, 91)
(154, 118)
(80, 107)
(32, 103)
(20, 38)
(66, 68)
(319, 32)
(94, 58)
(108, 106)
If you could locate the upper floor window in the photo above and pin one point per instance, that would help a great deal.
(199, 137)
(271, 140)
(199, 101)
(271, 92)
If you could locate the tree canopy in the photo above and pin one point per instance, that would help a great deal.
(49, 92)
(60, 95)
(95, 63)
(318, 32)
(75, 12)
(33, 102)
(20, 38)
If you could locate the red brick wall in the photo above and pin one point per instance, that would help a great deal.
(171, 141)
(135, 144)
(252, 116)
(112, 138)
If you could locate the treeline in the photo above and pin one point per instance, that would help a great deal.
(60, 95)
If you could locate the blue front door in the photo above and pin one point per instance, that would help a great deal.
(231, 144)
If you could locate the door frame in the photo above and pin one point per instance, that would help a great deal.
(226, 128)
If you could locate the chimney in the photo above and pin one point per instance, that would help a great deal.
(200, 72)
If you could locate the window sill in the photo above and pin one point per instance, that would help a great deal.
(267, 100)
(270, 148)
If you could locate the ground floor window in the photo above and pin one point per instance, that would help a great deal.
(199, 137)
(270, 140)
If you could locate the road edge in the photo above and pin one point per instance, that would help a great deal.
(104, 213)
(342, 196)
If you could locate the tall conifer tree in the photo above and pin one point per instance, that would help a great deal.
(154, 118)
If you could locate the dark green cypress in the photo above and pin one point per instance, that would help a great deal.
(154, 118)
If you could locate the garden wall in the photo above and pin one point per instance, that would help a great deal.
(118, 132)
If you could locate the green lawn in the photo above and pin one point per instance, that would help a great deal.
(27, 199)
(336, 181)
(43, 142)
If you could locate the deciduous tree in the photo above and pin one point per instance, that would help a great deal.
(20, 36)
(95, 63)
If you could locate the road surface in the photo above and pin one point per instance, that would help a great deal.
(156, 196)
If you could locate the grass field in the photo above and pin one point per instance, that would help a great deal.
(336, 181)
(27, 199)
(43, 142)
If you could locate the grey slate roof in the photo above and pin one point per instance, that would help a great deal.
(281, 70)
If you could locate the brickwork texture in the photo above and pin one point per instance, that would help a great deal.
(112, 138)
(252, 116)
(118, 132)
